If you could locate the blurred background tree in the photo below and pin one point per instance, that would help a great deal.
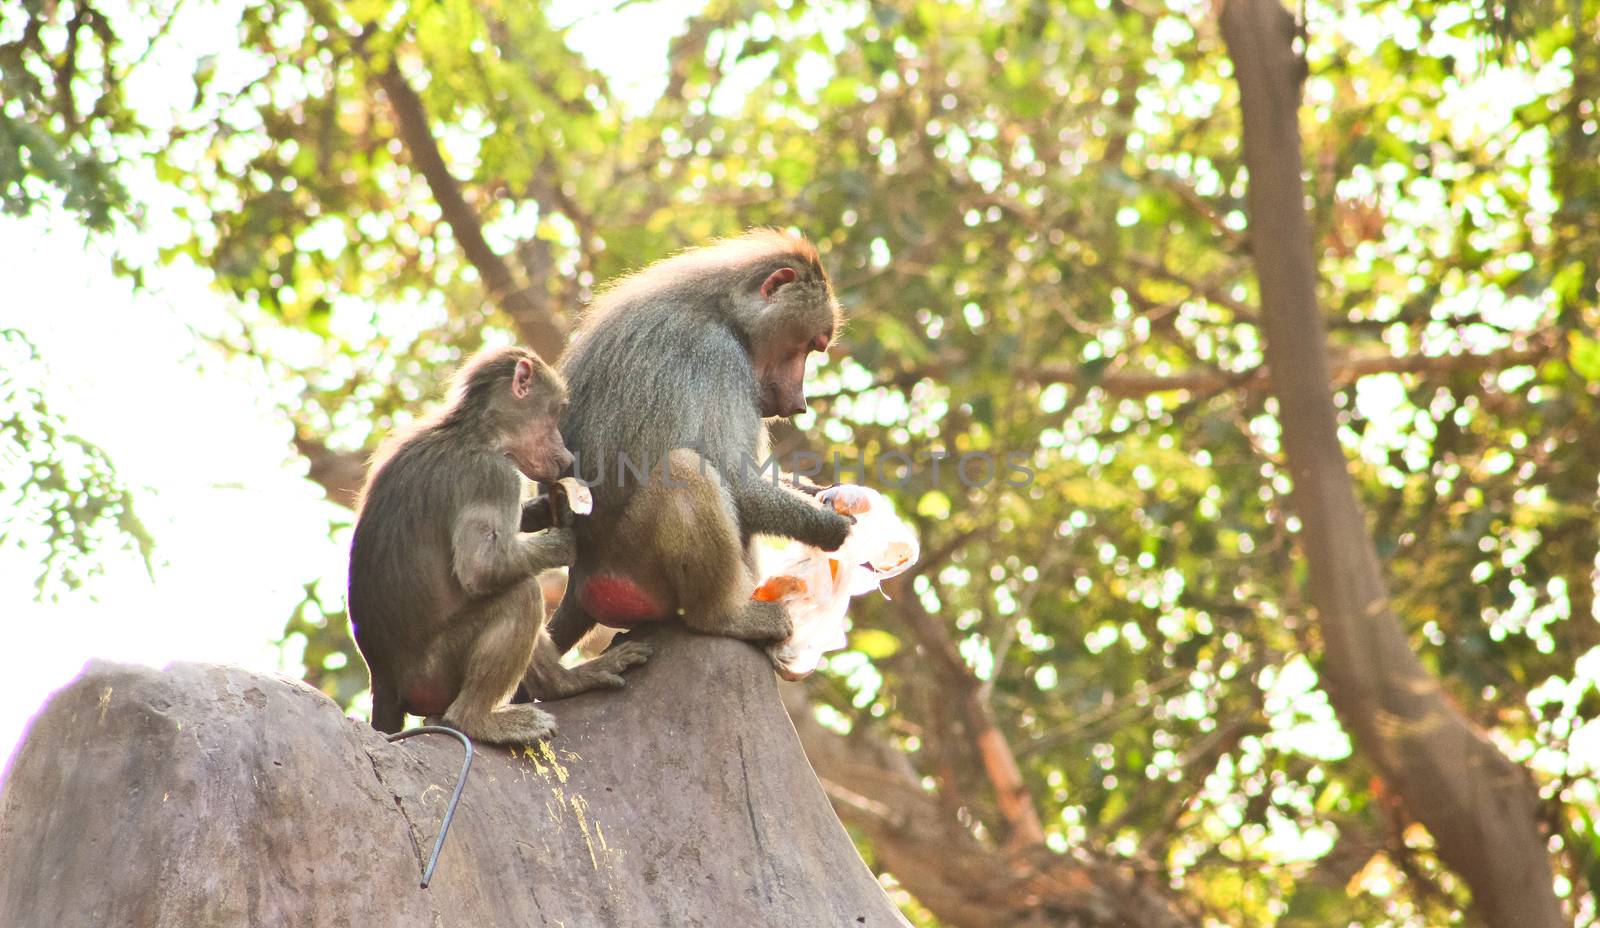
(61, 107)
(1101, 695)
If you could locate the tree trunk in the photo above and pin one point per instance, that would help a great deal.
(1479, 806)
(208, 795)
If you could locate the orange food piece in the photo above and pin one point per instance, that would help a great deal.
(850, 504)
(776, 588)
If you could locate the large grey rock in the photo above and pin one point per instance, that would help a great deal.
(212, 796)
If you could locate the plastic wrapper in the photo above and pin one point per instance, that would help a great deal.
(816, 586)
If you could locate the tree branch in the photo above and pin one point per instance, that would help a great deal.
(530, 312)
(1479, 806)
(339, 473)
(962, 881)
(994, 751)
(1342, 368)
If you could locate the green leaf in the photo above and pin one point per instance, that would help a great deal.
(841, 91)
(934, 504)
(1567, 283)
(874, 643)
(1583, 353)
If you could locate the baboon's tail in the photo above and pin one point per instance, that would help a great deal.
(388, 716)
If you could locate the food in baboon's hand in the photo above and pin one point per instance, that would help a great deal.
(815, 587)
(579, 499)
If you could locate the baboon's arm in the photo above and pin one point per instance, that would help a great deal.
(768, 509)
(488, 554)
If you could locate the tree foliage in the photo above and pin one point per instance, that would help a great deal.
(65, 125)
(59, 496)
(1034, 213)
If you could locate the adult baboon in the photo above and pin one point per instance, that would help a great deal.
(673, 370)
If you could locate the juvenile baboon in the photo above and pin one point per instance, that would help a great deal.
(673, 369)
(444, 598)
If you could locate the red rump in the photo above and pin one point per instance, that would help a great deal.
(618, 601)
(426, 699)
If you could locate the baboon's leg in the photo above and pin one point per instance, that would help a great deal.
(494, 642)
(547, 679)
(690, 523)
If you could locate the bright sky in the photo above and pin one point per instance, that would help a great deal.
(238, 529)
(236, 526)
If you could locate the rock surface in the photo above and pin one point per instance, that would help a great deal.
(207, 795)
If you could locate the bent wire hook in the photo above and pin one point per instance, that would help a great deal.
(455, 797)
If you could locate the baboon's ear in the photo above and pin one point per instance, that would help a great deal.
(783, 275)
(522, 379)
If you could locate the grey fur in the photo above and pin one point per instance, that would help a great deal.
(665, 360)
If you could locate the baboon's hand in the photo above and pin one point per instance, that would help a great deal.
(561, 546)
(835, 528)
(560, 510)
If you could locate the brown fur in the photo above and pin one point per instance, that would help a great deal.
(444, 598)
